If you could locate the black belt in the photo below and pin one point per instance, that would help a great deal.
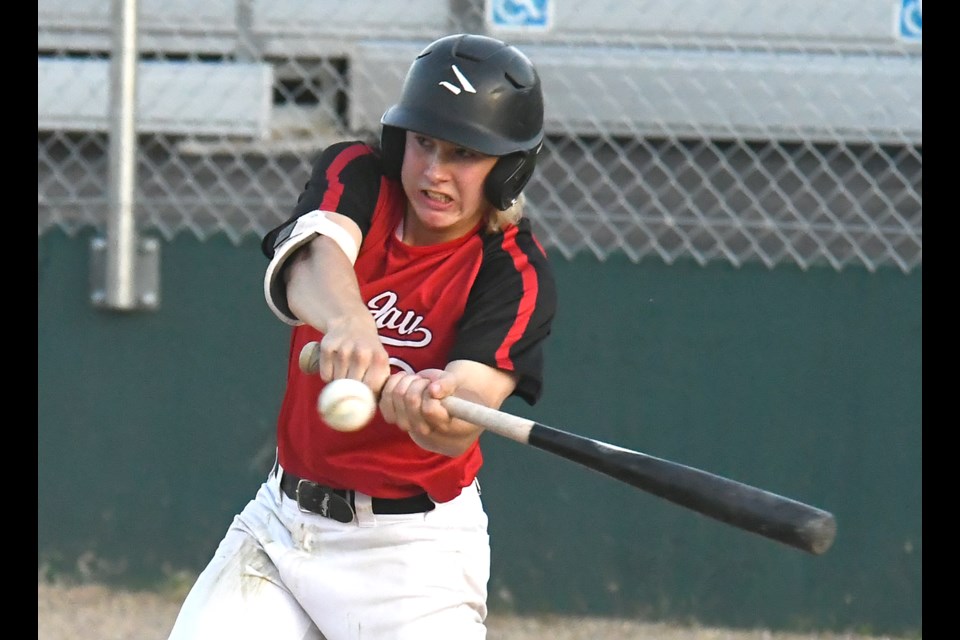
(338, 504)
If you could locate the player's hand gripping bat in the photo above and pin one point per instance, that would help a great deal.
(749, 508)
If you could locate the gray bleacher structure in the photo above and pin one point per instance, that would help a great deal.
(712, 69)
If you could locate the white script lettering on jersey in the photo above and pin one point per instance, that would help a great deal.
(406, 323)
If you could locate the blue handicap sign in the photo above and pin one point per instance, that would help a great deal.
(533, 15)
(910, 20)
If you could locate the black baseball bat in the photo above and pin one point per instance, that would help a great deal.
(770, 515)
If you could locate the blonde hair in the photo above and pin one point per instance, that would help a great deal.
(500, 219)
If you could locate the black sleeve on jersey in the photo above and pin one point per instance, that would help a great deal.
(360, 180)
(492, 308)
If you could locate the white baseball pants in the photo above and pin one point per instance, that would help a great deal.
(283, 574)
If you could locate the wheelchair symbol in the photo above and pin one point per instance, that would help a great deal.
(519, 13)
(910, 21)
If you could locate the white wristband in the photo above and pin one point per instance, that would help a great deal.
(306, 228)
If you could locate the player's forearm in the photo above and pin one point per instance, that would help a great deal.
(449, 443)
(322, 287)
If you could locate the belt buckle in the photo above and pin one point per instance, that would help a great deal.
(321, 500)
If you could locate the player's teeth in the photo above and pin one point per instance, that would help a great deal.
(439, 197)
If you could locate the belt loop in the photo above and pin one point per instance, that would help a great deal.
(363, 506)
(277, 474)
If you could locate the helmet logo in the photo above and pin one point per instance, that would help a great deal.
(464, 83)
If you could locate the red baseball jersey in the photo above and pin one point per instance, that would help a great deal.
(486, 297)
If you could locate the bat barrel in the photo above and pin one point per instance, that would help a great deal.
(749, 508)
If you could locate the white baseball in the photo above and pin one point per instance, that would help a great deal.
(346, 404)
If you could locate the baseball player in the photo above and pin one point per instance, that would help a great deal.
(411, 264)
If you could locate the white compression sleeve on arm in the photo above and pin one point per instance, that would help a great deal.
(306, 228)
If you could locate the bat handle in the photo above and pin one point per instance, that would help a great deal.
(503, 424)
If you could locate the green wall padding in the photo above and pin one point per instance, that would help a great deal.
(156, 427)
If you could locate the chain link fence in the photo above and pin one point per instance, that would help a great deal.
(741, 131)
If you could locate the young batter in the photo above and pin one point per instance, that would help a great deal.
(412, 265)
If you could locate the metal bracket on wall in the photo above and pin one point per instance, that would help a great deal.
(145, 275)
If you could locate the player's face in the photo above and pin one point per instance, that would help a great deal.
(444, 186)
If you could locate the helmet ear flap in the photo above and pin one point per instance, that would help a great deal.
(392, 143)
(508, 178)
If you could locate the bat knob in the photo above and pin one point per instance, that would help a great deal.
(310, 357)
